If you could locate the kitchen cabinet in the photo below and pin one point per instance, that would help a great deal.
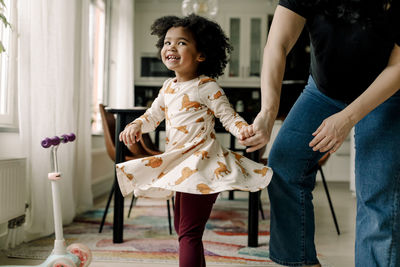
(247, 34)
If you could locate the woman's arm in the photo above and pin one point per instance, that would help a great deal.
(333, 130)
(285, 30)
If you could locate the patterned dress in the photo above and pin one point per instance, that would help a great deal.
(193, 161)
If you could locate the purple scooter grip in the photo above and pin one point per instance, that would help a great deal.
(56, 140)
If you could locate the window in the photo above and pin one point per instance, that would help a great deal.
(98, 56)
(8, 68)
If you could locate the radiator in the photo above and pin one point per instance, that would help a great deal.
(12, 189)
(12, 202)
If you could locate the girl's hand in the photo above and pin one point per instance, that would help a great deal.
(246, 132)
(331, 134)
(132, 133)
(258, 134)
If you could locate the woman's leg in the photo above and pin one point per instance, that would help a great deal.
(295, 164)
(191, 215)
(377, 139)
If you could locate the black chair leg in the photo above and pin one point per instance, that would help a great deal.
(169, 218)
(130, 207)
(261, 208)
(107, 206)
(173, 203)
(329, 200)
(231, 196)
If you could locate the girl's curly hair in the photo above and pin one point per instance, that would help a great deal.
(210, 39)
(352, 10)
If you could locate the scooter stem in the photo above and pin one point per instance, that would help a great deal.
(59, 242)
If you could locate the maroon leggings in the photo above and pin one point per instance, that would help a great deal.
(191, 214)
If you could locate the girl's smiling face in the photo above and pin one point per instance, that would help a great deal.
(180, 54)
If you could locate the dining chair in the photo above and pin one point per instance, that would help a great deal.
(144, 148)
(321, 162)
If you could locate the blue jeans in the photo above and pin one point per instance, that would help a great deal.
(377, 138)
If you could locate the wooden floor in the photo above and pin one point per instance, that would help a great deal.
(336, 250)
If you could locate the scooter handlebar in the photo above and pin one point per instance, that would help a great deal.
(56, 140)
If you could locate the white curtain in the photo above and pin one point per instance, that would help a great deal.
(54, 98)
(121, 54)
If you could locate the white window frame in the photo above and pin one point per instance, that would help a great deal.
(101, 69)
(8, 78)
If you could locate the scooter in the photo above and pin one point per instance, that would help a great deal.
(75, 255)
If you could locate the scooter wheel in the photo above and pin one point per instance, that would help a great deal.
(63, 263)
(83, 253)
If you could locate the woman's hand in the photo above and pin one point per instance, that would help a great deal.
(258, 134)
(331, 134)
(132, 133)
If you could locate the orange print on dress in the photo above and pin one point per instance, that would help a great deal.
(200, 119)
(240, 124)
(166, 115)
(203, 188)
(182, 129)
(210, 112)
(194, 146)
(202, 153)
(206, 80)
(242, 169)
(263, 171)
(221, 169)
(169, 90)
(186, 173)
(238, 157)
(160, 175)
(216, 95)
(128, 175)
(212, 135)
(187, 104)
(153, 162)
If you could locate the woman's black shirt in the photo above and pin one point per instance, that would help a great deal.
(346, 57)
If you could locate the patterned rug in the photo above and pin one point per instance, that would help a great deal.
(147, 238)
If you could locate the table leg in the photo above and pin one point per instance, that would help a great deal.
(254, 199)
(118, 226)
(254, 202)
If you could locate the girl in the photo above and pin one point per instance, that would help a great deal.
(194, 165)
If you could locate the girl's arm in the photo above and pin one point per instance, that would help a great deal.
(285, 30)
(217, 102)
(333, 130)
(146, 123)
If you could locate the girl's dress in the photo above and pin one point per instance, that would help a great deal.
(193, 161)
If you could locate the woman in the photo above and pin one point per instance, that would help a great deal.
(354, 81)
